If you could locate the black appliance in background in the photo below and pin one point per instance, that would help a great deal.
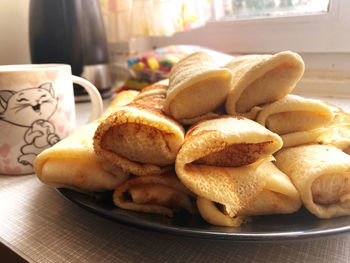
(71, 32)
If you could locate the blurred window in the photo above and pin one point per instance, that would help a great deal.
(266, 26)
(236, 9)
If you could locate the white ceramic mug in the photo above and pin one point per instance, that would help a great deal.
(37, 109)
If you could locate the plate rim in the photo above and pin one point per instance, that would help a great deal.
(205, 234)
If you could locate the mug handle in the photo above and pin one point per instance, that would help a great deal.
(96, 100)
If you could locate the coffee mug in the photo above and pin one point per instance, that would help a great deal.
(37, 109)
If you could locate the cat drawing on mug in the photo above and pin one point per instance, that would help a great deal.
(31, 108)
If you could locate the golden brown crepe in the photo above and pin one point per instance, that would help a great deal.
(296, 119)
(261, 79)
(337, 133)
(215, 155)
(321, 174)
(139, 137)
(276, 195)
(156, 194)
(73, 163)
(196, 87)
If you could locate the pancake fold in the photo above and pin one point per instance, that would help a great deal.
(196, 87)
(321, 174)
(156, 194)
(296, 119)
(337, 133)
(279, 195)
(261, 79)
(276, 195)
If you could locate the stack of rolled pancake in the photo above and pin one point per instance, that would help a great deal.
(229, 143)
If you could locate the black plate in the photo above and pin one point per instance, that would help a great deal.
(300, 225)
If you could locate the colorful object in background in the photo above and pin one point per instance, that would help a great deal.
(128, 19)
(152, 66)
(187, 18)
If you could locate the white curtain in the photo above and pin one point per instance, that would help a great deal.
(127, 19)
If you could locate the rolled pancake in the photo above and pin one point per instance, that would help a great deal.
(278, 196)
(215, 155)
(156, 194)
(296, 119)
(139, 137)
(321, 174)
(73, 163)
(196, 87)
(338, 131)
(261, 79)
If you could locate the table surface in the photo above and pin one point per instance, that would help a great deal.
(40, 225)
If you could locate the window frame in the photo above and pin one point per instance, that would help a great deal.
(315, 33)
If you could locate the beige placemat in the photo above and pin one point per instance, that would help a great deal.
(37, 221)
